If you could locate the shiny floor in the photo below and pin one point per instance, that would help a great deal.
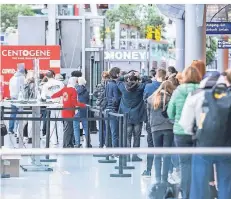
(77, 177)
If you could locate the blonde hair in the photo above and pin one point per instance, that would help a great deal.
(168, 87)
(200, 65)
(191, 75)
(82, 81)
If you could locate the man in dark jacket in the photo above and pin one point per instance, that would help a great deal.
(113, 100)
(133, 104)
(157, 78)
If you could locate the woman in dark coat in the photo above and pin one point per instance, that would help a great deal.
(132, 103)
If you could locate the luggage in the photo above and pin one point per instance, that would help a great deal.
(164, 191)
(214, 128)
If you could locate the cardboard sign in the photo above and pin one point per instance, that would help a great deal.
(13, 56)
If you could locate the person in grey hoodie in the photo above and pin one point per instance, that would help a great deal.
(161, 127)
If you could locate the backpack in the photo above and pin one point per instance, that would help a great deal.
(164, 191)
(214, 128)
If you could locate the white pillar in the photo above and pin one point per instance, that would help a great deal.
(180, 44)
(51, 37)
(195, 35)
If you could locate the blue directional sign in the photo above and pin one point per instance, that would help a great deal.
(214, 28)
(2, 38)
(224, 44)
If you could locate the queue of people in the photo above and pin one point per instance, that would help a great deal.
(173, 106)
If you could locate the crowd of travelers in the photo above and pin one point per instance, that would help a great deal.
(172, 105)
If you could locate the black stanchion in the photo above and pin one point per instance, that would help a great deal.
(88, 138)
(125, 145)
(120, 167)
(101, 134)
(48, 138)
(107, 160)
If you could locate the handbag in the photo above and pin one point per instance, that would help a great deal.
(3, 130)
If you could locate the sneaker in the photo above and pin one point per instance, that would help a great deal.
(146, 174)
(78, 146)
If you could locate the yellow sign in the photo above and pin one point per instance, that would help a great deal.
(108, 30)
(153, 33)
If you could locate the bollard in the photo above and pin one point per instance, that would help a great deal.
(107, 140)
(125, 138)
(120, 167)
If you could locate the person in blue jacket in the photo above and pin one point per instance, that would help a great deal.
(112, 105)
(83, 97)
(132, 103)
(158, 77)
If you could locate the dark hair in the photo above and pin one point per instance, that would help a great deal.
(25, 71)
(133, 78)
(172, 69)
(53, 72)
(153, 72)
(114, 72)
(76, 73)
(41, 76)
(64, 75)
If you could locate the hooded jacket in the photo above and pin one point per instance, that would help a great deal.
(99, 93)
(16, 84)
(83, 97)
(132, 101)
(193, 105)
(176, 105)
(157, 121)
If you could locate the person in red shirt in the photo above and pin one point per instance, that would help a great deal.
(69, 95)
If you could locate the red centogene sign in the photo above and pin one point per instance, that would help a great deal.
(11, 56)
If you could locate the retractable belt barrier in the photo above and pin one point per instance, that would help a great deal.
(103, 118)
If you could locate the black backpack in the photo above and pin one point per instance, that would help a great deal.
(214, 128)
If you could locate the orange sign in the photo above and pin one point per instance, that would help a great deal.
(11, 56)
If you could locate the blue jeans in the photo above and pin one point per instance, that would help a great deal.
(201, 169)
(185, 163)
(162, 138)
(150, 157)
(76, 126)
(175, 161)
(13, 116)
(113, 123)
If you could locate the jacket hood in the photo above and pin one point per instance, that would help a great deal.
(131, 86)
(81, 89)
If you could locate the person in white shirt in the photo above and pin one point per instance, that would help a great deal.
(16, 84)
(51, 87)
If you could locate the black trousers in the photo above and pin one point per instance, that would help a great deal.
(68, 134)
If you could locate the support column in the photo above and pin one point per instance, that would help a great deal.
(180, 44)
(51, 37)
(195, 35)
(223, 57)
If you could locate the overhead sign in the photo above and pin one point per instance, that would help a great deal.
(214, 28)
(224, 44)
(126, 55)
(11, 56)
(153, 33)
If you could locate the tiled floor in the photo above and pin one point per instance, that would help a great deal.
(77, 177)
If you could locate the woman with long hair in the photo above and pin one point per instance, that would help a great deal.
(191, 78)
(161, 127)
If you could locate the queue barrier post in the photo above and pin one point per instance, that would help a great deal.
(125, 141)
(120, 167)
(107, 139)
(88, 139)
